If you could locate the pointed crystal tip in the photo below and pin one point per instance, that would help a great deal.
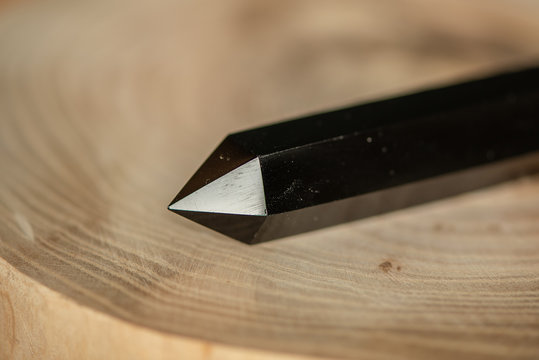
(240, 192)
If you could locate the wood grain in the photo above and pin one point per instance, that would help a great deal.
(107, 108)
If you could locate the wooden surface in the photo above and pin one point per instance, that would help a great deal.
(107, 108)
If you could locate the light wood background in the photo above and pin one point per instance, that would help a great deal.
(107, 108)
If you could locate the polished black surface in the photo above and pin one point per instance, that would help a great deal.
(336, 159)
(505, 88)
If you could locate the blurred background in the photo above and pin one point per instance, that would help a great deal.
(218, 66)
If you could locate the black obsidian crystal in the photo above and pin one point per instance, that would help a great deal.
(355, 162)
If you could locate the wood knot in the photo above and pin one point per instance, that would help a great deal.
(386, 266)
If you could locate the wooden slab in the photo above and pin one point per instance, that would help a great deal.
(107, 108)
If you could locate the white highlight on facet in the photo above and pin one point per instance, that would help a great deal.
(240, 192)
